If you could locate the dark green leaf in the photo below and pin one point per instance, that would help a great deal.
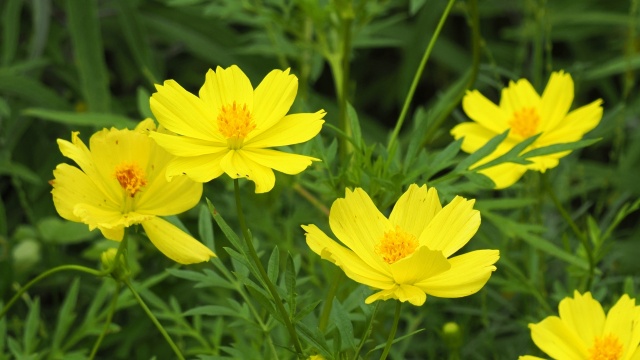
(340, 318)
(205, 227)
(66, 315)
(552, 149)
(273, 267)
(82, 119)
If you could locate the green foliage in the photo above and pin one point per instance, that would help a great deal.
(68, 65)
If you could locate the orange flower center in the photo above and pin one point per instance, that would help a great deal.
(525, 122)
(235, 123)
(130, 177)
(606, 348)
(395, 245)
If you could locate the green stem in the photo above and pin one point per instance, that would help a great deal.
(476, 42)
(417, 76)
(343, 84)
(328, 301)
(247, 300)
(583, 238)
(265, 278)
(154, 320)
(45, 275)
(112, 310)
(392, 334)
(367, 332)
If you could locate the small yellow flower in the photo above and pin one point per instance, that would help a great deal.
(230, 126)
(407, 255)
(120, 182)
(525, 113)
(583, 332)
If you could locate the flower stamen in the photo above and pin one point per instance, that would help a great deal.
(235, 123)
(395, 245)
(525, 122)
(130, 177)
(607, 347)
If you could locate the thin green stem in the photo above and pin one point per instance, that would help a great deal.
(417, 76)
(112, 310)
(109, 270)
(583, 238)
(367, 332)
(392, 334)
(265, 278)
(476, 43)
(247, 300)
(153, 318)
(45, 275)
(328, 301)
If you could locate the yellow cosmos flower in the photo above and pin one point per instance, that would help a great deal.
(228, 128)
(525, 113)
(121, 182)
(583, 332)
(407, 255)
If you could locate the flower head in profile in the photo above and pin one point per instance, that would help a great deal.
(408, 255)
(230, 127)
(525, 113)
(120, 182)
(584, 332)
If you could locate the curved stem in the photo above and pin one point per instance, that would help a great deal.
(155, 321)
(112, 310)
(417, 76)
(367, 332)
(263, 274)
(45, 275)
(392, 334)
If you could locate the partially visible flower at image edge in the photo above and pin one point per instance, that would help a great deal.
(229, 127)
(408, 255)
(121, 182)
(584, 332)
(525, 113)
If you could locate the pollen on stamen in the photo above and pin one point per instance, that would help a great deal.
(130, 177)
(607, 347)
(235, 121)
(525, 122)
(396, 245)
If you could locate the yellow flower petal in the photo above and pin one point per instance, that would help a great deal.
(146, 126)
(169, 198)
(583, 314)
(419, 266)
(505, 174)
(475, 135)
(72, 186)
(359, 225)
(187, 146)
(542, 163)
(291, 129)
(353, 266)
(452, 227)
(403, 293)
(518, 95)
(277, 160)
(99, 217)
(184, 113)
(556, 100)
(175, 243)
(201, 168)
(574, 126)
(620, 324)
(484, 112)
(273, 99)
(237, 165)
(529, 357)
(415, 209)
(558, 341)
(77, 151)
(114, 233)
(223, 87)
(468, 274)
